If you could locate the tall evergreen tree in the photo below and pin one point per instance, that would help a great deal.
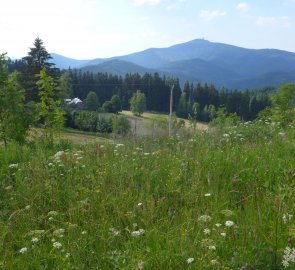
(37, 59)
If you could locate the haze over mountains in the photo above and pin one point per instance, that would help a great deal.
(199, 61)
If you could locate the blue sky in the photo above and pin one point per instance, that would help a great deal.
(85, 29)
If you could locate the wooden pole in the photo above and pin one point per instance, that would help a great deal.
(170, 115)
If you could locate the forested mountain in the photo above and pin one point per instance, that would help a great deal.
(117, 67)
(63, 62)
(202, 61)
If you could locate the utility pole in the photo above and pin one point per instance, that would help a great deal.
(171, 103)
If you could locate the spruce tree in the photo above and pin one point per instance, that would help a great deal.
(37, 59)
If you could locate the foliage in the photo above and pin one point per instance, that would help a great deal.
(113, 105)
(49, 109)
(224, 119)
(32, 64)
(15, 116)
(138, 103)
(91, 101)
(283, 105)
(121, 125)
(207, 200)
(64, 88)
(90, 121)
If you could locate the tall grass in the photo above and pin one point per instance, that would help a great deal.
(217, 199)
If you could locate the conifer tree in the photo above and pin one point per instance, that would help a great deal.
(34, 62)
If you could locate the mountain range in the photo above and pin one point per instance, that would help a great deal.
(199, 61)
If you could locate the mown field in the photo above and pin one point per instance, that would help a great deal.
(221, 198)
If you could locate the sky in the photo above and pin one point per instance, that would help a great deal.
(87, 29)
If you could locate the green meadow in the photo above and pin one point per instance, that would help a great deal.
(221, 198)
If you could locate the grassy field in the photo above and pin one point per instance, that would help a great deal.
(155, 124)
(222, 199)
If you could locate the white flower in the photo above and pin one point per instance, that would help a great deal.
(207, 231)
(223, 234)
(138, 233)
(57, 245)
(84, 232)
(59, 233)
(59, 154)
(207, 194)
(140, 265)
(119, 144)
(287, 218)
(139, 204)
(288, 257)
(225, 135)
(190, 260)
(23, 250)
(212, 248)
(204, 218)
(28, 207)
(52, 213)
(146, 154)
(218, 225)
(35, 240)
(229, 223)
(12, 166)
(135, 233)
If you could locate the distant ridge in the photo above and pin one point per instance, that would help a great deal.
(200, 60)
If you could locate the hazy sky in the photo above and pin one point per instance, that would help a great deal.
(85, 29)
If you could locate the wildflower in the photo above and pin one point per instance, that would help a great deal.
(84, 232)
(50, 218)
(229, 223)
(68, 255)
(35, 240)
(140, 265)
(207, 242)
(190, 260)
(119, 144)
(287, 218)
(135, 233)
(207, 231)
(218, 225)
(146, 154)
(212, 247)
(214, 262)
(23, 250)
(138, 233)
(204, 218)
(52, 213)
(223, 234)
(59, 154)
(114, 231)
(139, 204)
(57, 245)
(59, 233)
(36, 232)
(207, 194)
(28, 207)
(13, 166)
(225, 135)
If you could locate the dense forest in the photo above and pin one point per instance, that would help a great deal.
(198, 101)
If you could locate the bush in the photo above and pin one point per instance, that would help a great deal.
(121, 125)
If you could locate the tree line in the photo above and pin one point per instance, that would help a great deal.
(198, 101)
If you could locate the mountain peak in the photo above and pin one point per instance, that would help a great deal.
(204, 61)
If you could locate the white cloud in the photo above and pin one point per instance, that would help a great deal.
(244, 7)
(208, 15)
(146, 2)
(284, 22)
